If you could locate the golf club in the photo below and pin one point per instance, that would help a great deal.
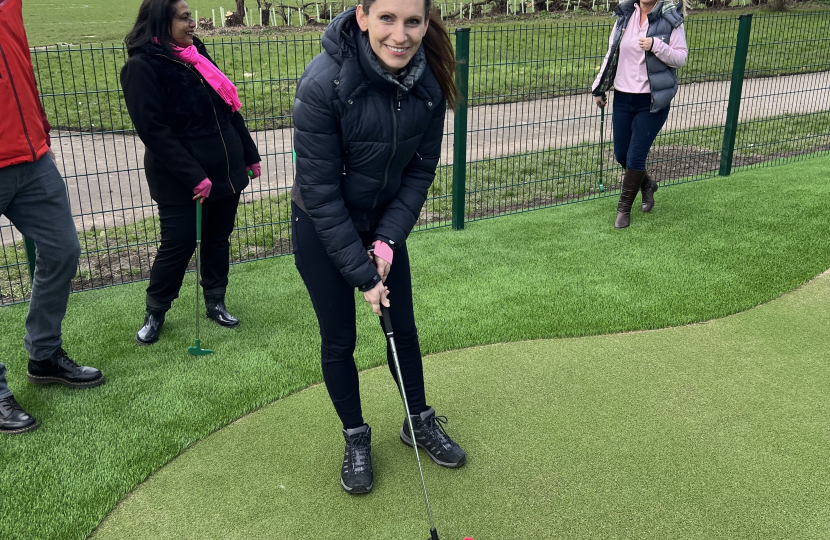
(390, 336)
(601, 142)
(196, 349)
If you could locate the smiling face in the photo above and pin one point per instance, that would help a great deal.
(395, 28)
(182, 26)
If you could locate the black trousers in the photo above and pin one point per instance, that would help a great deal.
(178, 243)
(334, 303)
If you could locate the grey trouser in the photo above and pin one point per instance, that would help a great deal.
(33, 197)
(4, 389)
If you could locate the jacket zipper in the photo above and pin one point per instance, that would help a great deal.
(394, 146)
(216, 116)
(17, 100)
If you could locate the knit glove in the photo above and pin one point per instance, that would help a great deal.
(383, 251)
(256, 169)
(203, 189)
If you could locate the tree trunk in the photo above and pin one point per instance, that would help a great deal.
(500, 6)
(265, 8)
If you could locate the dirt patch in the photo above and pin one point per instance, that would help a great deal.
(666, 163)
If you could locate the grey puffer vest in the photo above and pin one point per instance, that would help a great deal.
(662, 79)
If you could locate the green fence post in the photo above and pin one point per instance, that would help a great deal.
(459, 154)
(735, 90)
(31, 256)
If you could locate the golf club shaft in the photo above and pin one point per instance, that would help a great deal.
(198, 259)
(391, 337)
(601, 141)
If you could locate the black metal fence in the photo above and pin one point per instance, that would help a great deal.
(756, 90)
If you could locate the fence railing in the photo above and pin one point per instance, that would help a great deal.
(287, 13)
(526, 134)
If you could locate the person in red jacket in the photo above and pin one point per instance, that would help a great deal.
(33, 197)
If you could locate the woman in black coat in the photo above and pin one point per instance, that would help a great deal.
(369, 119)
(197, 148)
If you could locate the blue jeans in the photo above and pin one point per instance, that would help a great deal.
(635, 128)
(33, 197)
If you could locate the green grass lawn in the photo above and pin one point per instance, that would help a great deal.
(102, 21)
(709, 249)
(710, 431)
(516, 61)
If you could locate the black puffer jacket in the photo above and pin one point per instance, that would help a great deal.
(367, 146)
(189, 131)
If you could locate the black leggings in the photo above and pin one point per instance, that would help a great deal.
(333, 300)
(178, 242)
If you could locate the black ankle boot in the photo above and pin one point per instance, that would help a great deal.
(149, 333)
(215, 306)
(631, 185)
(356, 475)
(13, 419)
(61, 369)
(648, 189)
(430, 435)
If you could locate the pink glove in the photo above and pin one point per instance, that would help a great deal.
(257, 170)
(203, 189)
(383, 251)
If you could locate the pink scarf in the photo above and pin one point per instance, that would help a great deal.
(215, 78)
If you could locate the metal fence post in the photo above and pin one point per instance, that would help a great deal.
(31, 256)
(459, 154)
(735, 90)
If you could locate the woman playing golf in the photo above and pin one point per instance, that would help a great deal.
(369, 119)
(647, 46)
(186, 112)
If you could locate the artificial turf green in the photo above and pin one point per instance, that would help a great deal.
(708, 249)
(709, 431)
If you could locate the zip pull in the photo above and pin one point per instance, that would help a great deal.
(399, 97)
(419, 156)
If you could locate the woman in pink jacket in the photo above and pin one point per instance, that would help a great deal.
(647, 46)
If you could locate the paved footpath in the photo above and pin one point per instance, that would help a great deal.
(119, 194)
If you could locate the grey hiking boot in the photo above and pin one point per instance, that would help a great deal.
(356, 474)
(430, 435)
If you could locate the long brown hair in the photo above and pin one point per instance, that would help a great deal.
(439, 52)
(152, 23)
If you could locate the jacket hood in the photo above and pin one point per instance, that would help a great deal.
(349, 46)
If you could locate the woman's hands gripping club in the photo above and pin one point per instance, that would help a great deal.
(380, 293)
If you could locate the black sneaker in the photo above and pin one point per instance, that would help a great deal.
(356, 475)
(430, 435)
(59, 368)
(13, 419)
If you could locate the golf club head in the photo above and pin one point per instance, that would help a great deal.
(197, 350)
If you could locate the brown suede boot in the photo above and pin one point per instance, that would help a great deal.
(648, 189)
(631, 185)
